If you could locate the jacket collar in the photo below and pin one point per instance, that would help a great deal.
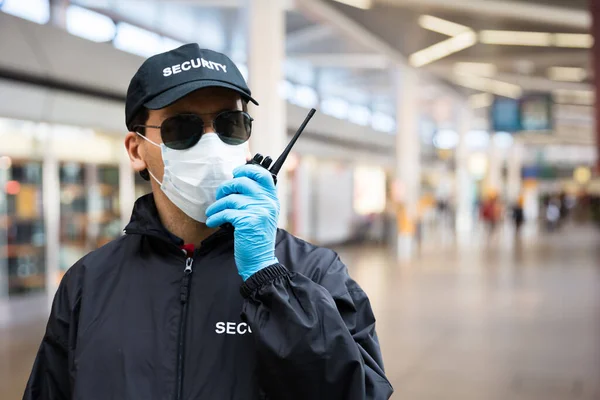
(146, 221)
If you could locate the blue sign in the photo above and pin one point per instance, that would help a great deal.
(536, 112)
(505, 115)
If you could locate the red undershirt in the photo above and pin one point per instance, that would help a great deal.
(189, 249)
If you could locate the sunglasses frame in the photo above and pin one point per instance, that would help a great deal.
(212, 122)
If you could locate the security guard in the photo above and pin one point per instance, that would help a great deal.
(180, 308)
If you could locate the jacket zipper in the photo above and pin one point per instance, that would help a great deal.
(184, 295)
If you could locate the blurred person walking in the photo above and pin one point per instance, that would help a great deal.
(552, 213)
(184, 306)
(491, 213)
(518, 215)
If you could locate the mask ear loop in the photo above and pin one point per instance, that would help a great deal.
(145, 138)
(146, 174)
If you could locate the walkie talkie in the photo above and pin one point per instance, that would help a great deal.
(265, 162)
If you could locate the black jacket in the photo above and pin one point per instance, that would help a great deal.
(129, 322)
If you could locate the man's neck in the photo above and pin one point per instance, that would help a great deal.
(179, 223)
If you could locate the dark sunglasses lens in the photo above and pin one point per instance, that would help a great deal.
(181, 132)
(233, 127)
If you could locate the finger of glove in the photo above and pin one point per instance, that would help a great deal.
(256, 173)
(220, 218)
(242, 185)
(230, 202)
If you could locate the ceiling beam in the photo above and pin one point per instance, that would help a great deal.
(343, 60)
(580, 58)
(207, 3)
(327, 14)
(288, 4)
(560, 16)
(526, 82)
(541, 84)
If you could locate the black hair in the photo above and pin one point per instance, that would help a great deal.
(141, 118)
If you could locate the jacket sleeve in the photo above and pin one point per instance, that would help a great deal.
(314, 340)
(50, 377)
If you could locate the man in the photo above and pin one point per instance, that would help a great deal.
(203, 298)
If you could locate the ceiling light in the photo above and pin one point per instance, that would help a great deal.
(581, 97)
(481, 69)
(37, 11)
(576, 40)
(443, 49)
(446, 139)
(480, 100)
(364, 4)
(516, 38)
(442, 26)
(582, 175)
(567, 74)
(505, 89)
(489, 85)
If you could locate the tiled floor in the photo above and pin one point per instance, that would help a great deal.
(479, 322)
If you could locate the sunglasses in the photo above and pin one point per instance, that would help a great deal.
(183, 131)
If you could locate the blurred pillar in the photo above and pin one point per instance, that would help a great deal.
(58, 13)
(266, 52)
(3, 235)
(595, 11)
(126, 188)
(515, 165)
(464, 183)
(304, 184)
(408, 152)
(51, 196)
(493, 179)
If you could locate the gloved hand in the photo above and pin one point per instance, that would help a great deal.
(249, 202)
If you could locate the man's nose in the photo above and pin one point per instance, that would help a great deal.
(208, 126)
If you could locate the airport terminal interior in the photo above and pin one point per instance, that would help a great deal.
(452, 163)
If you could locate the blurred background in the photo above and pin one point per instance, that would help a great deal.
(453, 164)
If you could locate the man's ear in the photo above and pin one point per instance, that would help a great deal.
(133, 144)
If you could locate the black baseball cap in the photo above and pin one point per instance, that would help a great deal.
(167, 77)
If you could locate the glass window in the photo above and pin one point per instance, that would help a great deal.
(73, 215)
(359, 115)
(108, 212)
(168, 44)
(335, 107)
(136, 40)
(369, 190)
(90, 214)
(383, 122)
(24, 238)
(89, 24)
(305, 96)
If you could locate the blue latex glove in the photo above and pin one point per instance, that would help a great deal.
(248, 202)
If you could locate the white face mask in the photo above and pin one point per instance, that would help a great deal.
(192, 176)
